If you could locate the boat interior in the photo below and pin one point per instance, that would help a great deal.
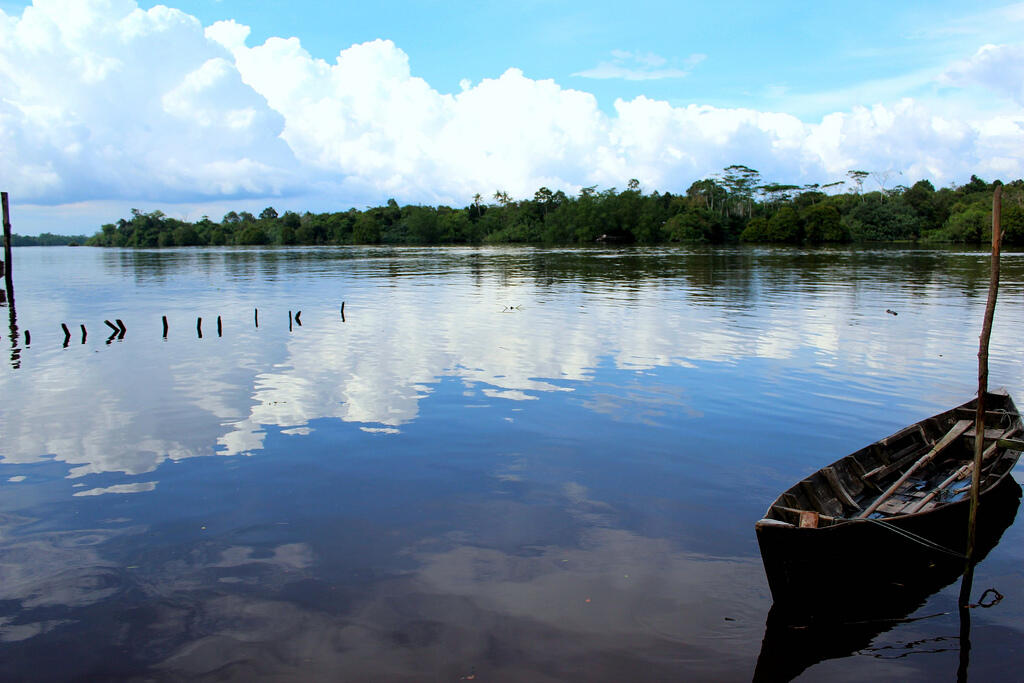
(915, 470)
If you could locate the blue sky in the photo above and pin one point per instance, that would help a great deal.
(754, 54)
(205, 105)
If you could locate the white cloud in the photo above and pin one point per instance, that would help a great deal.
(138, 487)
(999, 68)
(640, 66)
(107, 102)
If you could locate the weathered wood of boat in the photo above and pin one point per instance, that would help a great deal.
(890, 513)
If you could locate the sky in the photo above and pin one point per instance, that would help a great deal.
(204, 106)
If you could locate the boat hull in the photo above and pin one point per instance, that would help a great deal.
(845, 562)
(847, 550)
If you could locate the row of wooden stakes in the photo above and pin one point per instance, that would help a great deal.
(119, 329)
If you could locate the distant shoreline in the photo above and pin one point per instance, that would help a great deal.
(48, 239)
(731, 207)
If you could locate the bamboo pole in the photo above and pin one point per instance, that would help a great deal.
(979, 415)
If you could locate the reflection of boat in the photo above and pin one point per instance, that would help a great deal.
(884, 514)
(798, 636)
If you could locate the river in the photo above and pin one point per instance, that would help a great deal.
(492, 464)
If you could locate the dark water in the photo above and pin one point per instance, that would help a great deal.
(503, 465)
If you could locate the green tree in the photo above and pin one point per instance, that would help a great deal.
(883, 221)
(968, 225)
(694, 225)
(756, 230)
(783, 227)
(454, 226)
(218, 237)
(421, 225)
(822, 223)
(858, 178)
(367, 229)
(707, 194)
(975, 185)
(740, 182)
(1013, 224)
(252, 234)
(286, 235)
(921, 198)
(185, 235)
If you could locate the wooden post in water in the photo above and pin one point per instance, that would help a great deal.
(13, 322)
(165, 326)
(979, 415)
(220, 327)
(8, 274)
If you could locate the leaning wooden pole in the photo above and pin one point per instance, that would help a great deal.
(979, 415)
(8, 275)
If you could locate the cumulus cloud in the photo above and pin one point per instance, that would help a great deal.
(997, 67)
(106, 101)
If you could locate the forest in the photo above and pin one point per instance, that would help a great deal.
(734, 205)
(48, 239)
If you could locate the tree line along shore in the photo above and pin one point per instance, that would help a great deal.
(732, 206)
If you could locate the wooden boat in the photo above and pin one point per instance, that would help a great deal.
(892, 513)
(796, 639)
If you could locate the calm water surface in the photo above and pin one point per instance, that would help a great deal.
(502, 465)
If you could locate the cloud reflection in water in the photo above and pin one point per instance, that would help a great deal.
(404, 334)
